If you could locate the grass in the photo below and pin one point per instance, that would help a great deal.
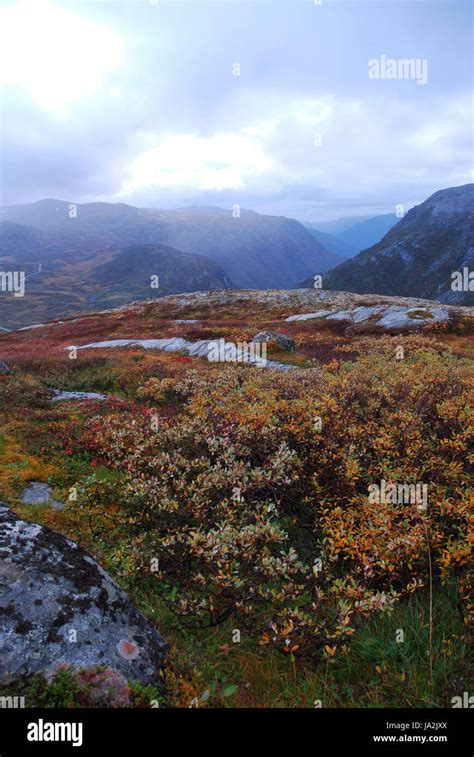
(377, 671)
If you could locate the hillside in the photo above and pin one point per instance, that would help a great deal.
(339, 248)
(418, 256)
(223, 496)
(365, 233)
(67, 272)
(254, 250)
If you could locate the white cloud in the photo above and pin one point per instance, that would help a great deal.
(223, 161)
(54, 54)
(373, 151)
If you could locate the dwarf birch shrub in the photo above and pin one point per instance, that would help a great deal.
(253, 501)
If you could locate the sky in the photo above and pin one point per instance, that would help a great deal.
(273, 106)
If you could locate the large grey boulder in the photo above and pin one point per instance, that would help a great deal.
(283, 341)
(57, 605)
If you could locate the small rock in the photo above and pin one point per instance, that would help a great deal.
(60, 396)
(38, 493)
(283, 341)
(4, 369)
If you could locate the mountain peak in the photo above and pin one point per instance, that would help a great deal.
(418, 256)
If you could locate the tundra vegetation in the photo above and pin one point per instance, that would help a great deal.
(232, 502)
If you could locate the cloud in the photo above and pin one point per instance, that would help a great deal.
(53, 54)
(189, 162)
(139, 102)
(306, 154)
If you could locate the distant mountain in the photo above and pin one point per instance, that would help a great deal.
(262, 252)
(334, 244)
(366, 233)
(68, 273)
(339, 225)
(255, 251)
(417, 257)
(348, 236)
(129, 273)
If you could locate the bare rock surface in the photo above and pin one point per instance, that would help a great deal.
(60, 396)
(201, 348)
(58, 606)
(387, 317)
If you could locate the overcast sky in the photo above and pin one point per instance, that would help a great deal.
(139, 102)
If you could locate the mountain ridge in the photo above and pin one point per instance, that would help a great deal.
(418, 256)
(255, 250)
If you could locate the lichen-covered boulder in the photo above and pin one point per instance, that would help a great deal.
(281, 341)
(58, 606)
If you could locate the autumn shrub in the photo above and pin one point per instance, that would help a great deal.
(253, 502)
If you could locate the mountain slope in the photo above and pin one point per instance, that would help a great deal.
(67, 273)
(339, 225)
(254, 250)
(130, 271)
(417, 256)
(348, 236)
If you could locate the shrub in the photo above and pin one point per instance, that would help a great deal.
(242, 506)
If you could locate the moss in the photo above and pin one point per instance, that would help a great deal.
(419, 315)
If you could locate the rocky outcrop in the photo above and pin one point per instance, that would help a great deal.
(58, 606)
(202, 348)
(280, 341)
(385, 317)
(60, 396)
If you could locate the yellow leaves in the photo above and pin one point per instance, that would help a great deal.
(17, 468)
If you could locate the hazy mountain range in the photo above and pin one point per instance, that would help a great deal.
(79, 257)
(254, 250)
(348, 236)
(82, 257)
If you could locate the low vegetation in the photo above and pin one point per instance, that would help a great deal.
(232, 504)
